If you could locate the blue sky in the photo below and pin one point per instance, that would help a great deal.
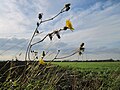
(96, 23)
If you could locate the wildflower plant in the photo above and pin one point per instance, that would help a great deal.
(51, 34)
(39, 75)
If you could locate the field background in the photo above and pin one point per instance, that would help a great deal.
(60, 76)
(91, 66)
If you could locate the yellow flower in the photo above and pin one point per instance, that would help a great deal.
(15, 83)
(69, 25)
(41, 61)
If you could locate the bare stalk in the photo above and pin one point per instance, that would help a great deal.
(67, 55)
(29, 45)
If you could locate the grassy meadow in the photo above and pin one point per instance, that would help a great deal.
(99, 75)
(60, 76)
(91, 66)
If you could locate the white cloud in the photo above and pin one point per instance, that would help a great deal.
(11, 20)
(97, 25)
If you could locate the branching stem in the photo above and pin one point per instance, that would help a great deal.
(27, 54)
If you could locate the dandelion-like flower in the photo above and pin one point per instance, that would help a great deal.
(69, 25)
(41, 61)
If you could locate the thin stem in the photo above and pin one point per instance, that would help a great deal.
(11, 69)
(29, 52)
(4, 65)
(29, 45)
(39, 41)
(67, 55)
(44, 37)
(56, 55)
(52, 17)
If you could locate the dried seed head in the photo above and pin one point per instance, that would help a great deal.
(82, 45)
(32, 51)
(50, 36)
(43, 53)
(80, 53)
(57, 34)
(36, 57)
(38, 24)
(58, 50)
(67, 8)
(82, 49)
(40, 16)
(67, 5)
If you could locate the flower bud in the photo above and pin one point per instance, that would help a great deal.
(50, 36)
(57, 34)
(80, 53)
(43, 54)
(36, 57)
(67, 8)
(38, 24)
(32, 51)
(40, 16)
(82, 49)
(67, 5)
(82, 45)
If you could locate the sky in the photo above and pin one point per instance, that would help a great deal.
(96, 23)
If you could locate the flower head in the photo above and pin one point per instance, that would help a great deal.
(67, 7)
(41, 61)
(69, 25)
(40, 16)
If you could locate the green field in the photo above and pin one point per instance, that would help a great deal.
(94, 66)
(61, 76)
(106, 73)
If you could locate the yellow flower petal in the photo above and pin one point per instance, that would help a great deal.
(14, 83)
(69, 25)
(41, 61)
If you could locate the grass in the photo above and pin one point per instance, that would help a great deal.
(96, 75)
(62, 76)
(90, 66)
